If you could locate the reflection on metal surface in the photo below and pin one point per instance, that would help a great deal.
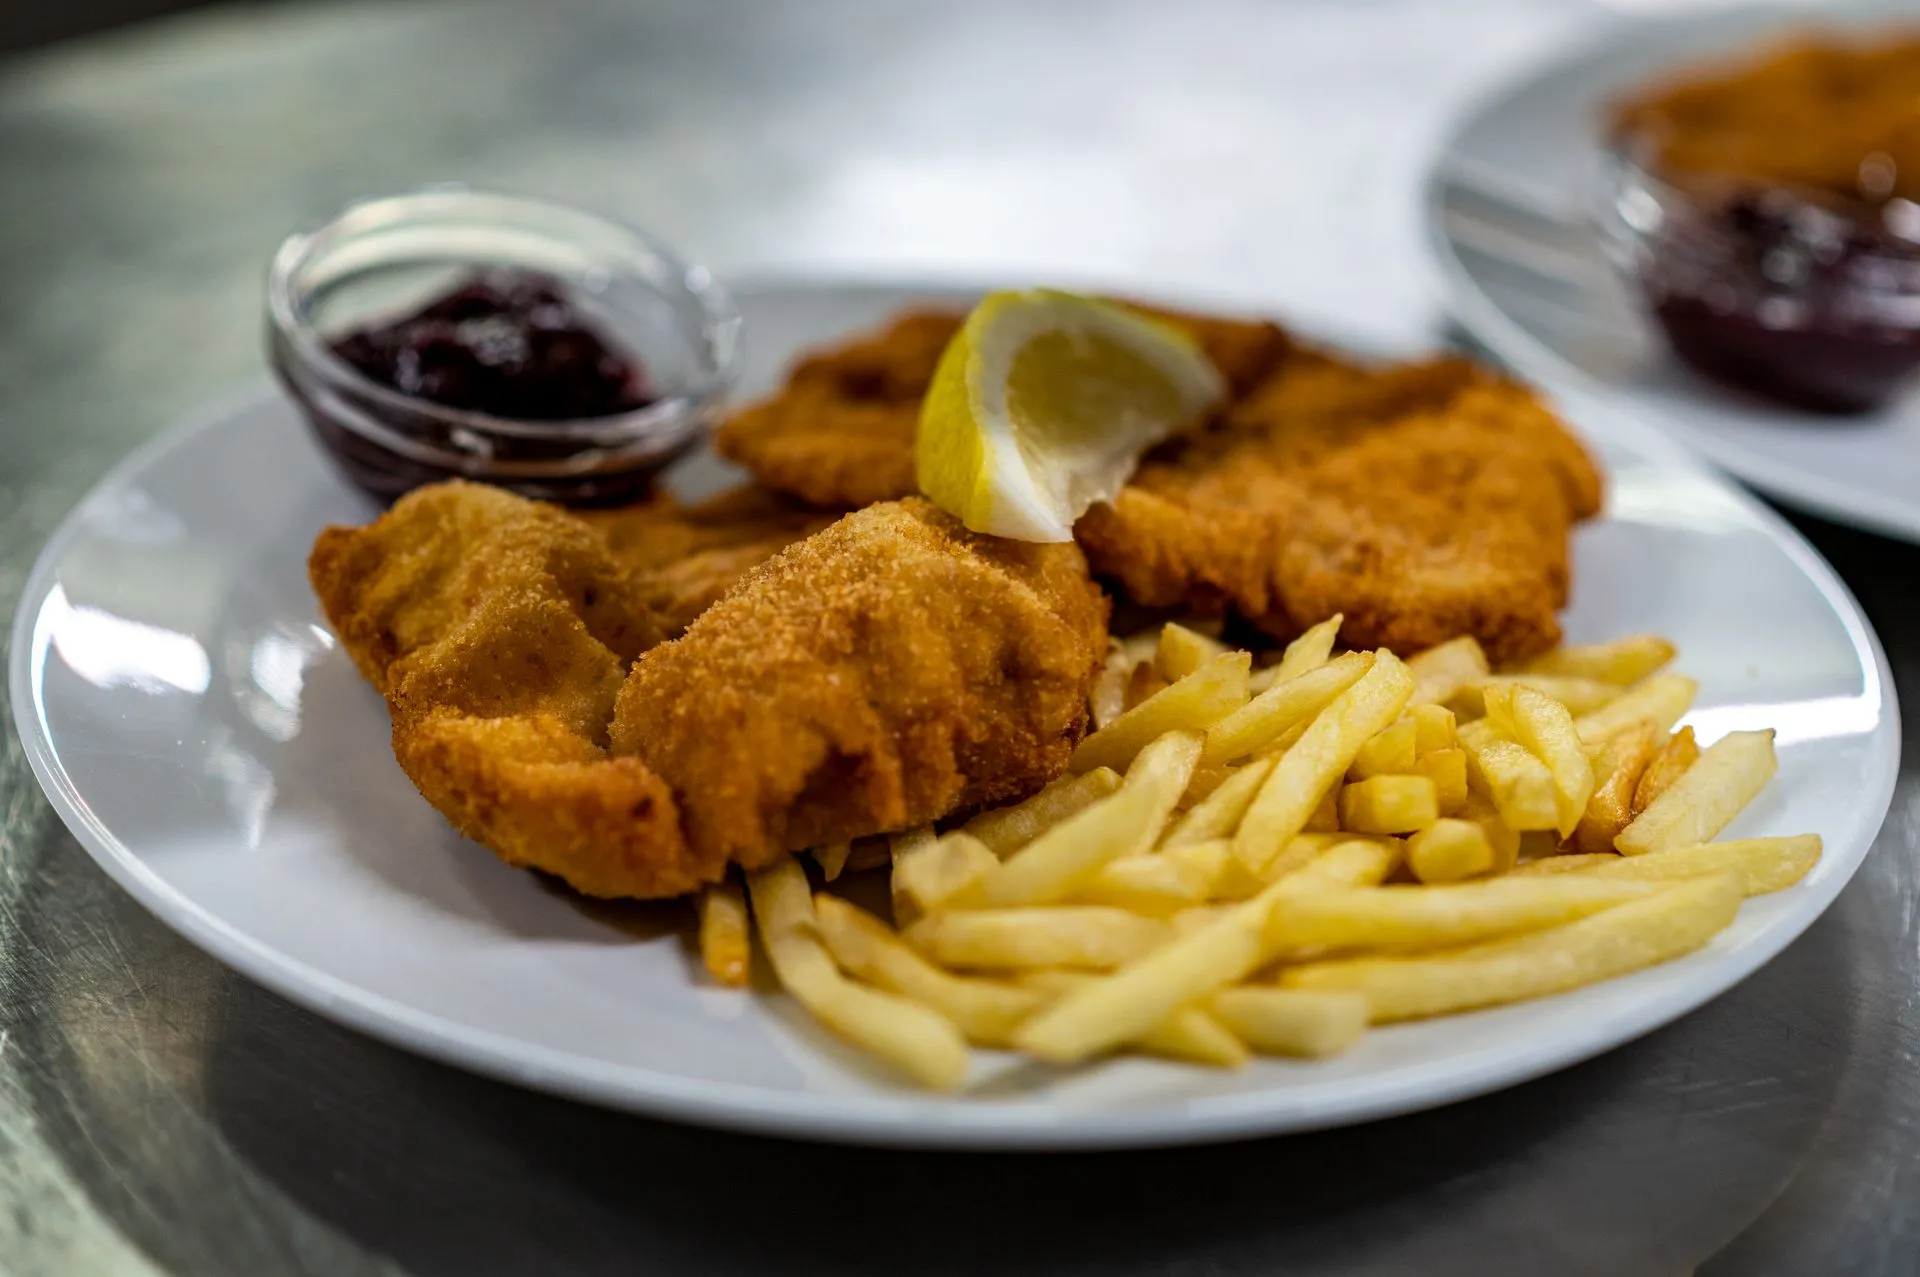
(111, 651)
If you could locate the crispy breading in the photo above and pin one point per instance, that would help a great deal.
(684, 557)
(501, 632)
(839, 434)
(1423, 500)
(455, 557)
(891, 670)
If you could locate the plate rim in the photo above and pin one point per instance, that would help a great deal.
(880, 1119)
(1467, 302)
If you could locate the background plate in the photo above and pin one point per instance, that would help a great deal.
(1508, 209)
(193, 723)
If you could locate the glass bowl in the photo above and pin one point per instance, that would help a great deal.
(384, 258)
(1799, 296)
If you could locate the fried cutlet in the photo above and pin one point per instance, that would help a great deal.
(890, 670)
(685, 556)
(1424, 501)
(876, 675)
(839, 434)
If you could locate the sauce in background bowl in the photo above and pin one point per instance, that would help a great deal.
(1767, 213)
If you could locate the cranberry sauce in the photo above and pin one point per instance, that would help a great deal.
(505, 343)
(1782, 297)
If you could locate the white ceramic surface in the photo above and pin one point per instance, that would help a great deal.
(1509, 211)
(196, 727)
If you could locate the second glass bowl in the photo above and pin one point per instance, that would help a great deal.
(1794, 295)
(384, 257)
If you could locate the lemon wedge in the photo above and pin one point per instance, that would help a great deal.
(1043, 404)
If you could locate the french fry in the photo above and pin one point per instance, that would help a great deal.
(1107, 699)
(1149, 989)
(1348, 862)
(1545, 728)
(1389, 752)
(1214, 864)
(1219, 813)
(1283, 707)
(1325, 817)
(1296, 1022)
(1642, 933)
(1433, 729)
(1501, 837)
(1142, 685)
(1190, 1033)
(1664, 699)
(1202, 783)
(1155, 886)
(1006, 830)
(1449, 851)
(1094, 937)
(832, 859)
(947, 873)
(908, 840)
(1320, 758)
(1627, 754)
(1517, 784)
(1123, 824)
(1447, 769)
(1622, 662)
(1198, 918)
(985, 1011)
(1195, 703)
(1389, 805)
(920, 1042)
(1308, 652)
(1579, 695)
(907, 846)
(1206, 956)
(1766, 865)
(1443, 670)
(1181, 651)
(867, 854)
(1419, 917)
(1680, 752)
(725, 948)
(1571, 862)
(1730, 774)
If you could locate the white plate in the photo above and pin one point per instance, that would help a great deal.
(1508, 209)
(195, 726)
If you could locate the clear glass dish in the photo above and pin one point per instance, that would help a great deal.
(1799, 296)
(384, 257)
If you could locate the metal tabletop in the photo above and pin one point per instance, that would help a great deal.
(160, 1115)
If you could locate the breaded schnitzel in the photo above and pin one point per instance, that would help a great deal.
(885, 672)
(879, 674)
(1424, 500)
(839, 434)
(686, 556)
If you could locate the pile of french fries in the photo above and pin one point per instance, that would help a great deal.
(1269, 861)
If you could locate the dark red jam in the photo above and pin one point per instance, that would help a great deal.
(505, 343)
(1808, 305)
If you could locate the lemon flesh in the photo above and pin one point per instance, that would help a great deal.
(1043, 404)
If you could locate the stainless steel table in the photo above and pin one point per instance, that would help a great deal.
(160, 1115)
